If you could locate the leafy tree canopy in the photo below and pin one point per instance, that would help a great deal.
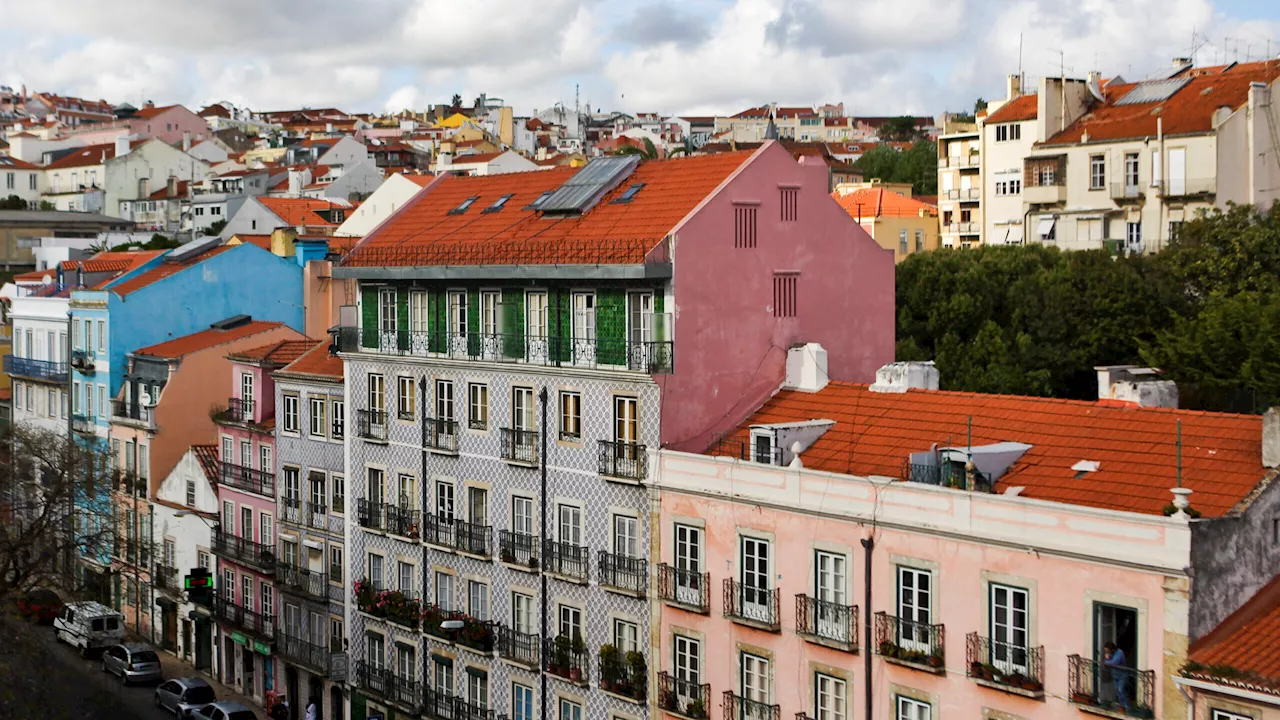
(917, 165)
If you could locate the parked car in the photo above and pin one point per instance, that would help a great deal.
(225, 710)
(133, 662)
(184, 696)
(90, 626)
(40, 604)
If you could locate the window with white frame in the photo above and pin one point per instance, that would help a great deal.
(915, 593)
(1097, 172)
(444, 400)
(1008, 613)
(570, 415)
(626, 636)
(522, 615)
(442, 675)
(375, 486)
(375, 650)
(478, 688)
(569, 709)
(289, 422)
(404, 571)
(478, 600)
(830, 697)
(478, 406)
(337, 416)
(1218, 714)
(522, 514)
(377, 396)
(444, 591)
(406, 402)
(584, 321)
(754, 681)
(317, 416)
(912, 709)
(1133, 234)
(522, 704)
(406, 665)
(1131, 174)
(522, 409)
(490, 301)
(376, 578)
(687, 660)
(626, 536)
(445, 500)
(753, 574)
(338, 488)
(458, 313)
(569, 525)
(418, 311)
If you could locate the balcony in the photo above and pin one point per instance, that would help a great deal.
(248, 479)
(404, 522)
(518, 549)
(438, 531)
(473, 539)
(623, 461)
(371, 425)
(370, 515)
(827, 623)
(166, 580)
(948, 474)
(233, 615)
(463, 710)
(1118, 692)
(1123, 191)
(911, 644)
(624, 674)
(622, 573)
(433, 616)
(401, 607)
(41, 370)
(566, 561)
(382, 682)
(133, 413)
(301, 581)
(518, 647)
(317, 658)
(649, 356)
(737, 707)
(683, 698)
(1044, 194)
(442, 436)
(239, 410)
(999, 665)
(752, 606)
(567, 659)
(1189, 187)
(83, 424)
(478, 635)
(520, 447)
(970, 194)
(962, 228)
(245, 552)
(685, 589)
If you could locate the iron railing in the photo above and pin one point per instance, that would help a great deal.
(438, 530)
(737, 707)
(1017, 666)
(684, 697)
(83, 424)
(1188, 187)
(910, 641)
(229, 613)
(248, 479)
(302, 581)
(442, 435)
(751, 604)
(519, 446)
(651, 356)
(401, 607)
(463, 710)
(1111, 687)
(315, 657)
(405, 522)
(244, 551)
(516, 548)
(623, 460)
(130, 410)
(54, 372)
(294, 511)
(566, 661)
(437, 705)
(239, 410)
(479, 635)
(433, 616)
(623, 572)
(564, 559)
(829, 621)
(948, 474)
(686, 588)
(519, 647)
(165, 579)
(473, 538)
(384, 683)
(371, 425)
(370, 514)
(618, 675)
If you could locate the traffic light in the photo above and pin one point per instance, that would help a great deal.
(199, 586)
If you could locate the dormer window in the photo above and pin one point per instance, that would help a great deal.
(498, 204)
(465, 204)
(762, 442)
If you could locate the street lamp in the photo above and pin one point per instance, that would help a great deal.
(199, 516)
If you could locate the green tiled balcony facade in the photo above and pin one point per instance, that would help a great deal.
(614, 327)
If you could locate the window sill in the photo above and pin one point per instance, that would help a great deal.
(1012, 690)
(442, 451)
(1120, 714)
(527, 667)
(520, 463)
(922, 667)
(582, 681)
(695, 609)
(626, 698)
(828, 642)
(442, 548)
(519, 568)
(756, 624)
(568, 578)
(622, 480)
(627, 592)
(473, 556)
(375, 441)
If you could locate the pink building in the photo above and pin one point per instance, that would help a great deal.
(170, 123)
(960, 555)
(245, 540)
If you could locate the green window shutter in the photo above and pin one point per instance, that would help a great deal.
(436, 326)
(473, 323)
(513, 322)
(611, 326)
(402, 318)
(369, 316)
(561, 319)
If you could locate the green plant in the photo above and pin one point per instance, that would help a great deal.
(579, 645)
(696, 709)
(1172, 509)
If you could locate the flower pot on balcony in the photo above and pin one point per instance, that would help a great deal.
(935, 661)
(669, 701)
(888, 649)
(1032, 685)
(1082, 698)
(533, 563)
(508, 556)
(575, 674)
(696, 709)
(975, 669)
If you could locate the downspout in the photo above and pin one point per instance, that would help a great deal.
(868, 545)
(542, 566)
(1191, 703)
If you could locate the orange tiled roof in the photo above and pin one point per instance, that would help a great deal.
(215, 110)
(318, 362)
(205, 339)
(425, 231)
(477, 157)
(279, 353)
(878, 202)
(1247, 642)
(85, 156)
(300, 211)
(147, 113)
(875, 433)
(420, 180)
(163, 192)
(1023, 107)
(1189, 110)
(207, 455)
(164, 270)
(262, 241)
(9, 162)
(112, 262)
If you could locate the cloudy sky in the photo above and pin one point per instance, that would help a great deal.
(669, 56)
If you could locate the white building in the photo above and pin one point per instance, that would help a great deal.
(137, 170)
(491, 163)
(1008, 132)
(39, 362)
(389, 197)
(21, 178)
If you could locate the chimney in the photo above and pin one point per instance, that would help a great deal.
(807, 368)
(122, 146)
(1094, 77)
(328, 127)
(1137, 386)
(1181, 62)
(148, 105)
(186, 142)
(1013, 86)
(172, 187)
(1271, 437)
(295, 183)
(899, 377)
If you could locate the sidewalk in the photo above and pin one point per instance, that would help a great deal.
(172, 666)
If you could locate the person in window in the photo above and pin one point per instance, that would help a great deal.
(1114, 661)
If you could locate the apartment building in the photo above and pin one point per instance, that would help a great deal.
(512, 359)
(960, 184)
(311, 505)
(894, 219)
(1007, 133)
(889, 550)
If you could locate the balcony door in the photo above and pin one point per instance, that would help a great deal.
(570, 530)
(584, 328)
(755, 684)
(914, 603)
(387, 319)
(755, 579)
(1009, 639)
(418, 328)
(490, 342)
(458, 323)
(536, 326)
(830, 581)
(688, 565)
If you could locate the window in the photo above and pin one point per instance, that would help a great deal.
(290, 421)
(688, 663)
(478, 688)
(375, 650)
(317, 424)
(229, 585)
(1012, 186)
(204, 560)
(375, 572)
(478, 406)
(789, 197)
(1175, 227)
(246, 591)
(228, 517)
(478, 505)
(489, 302)
(762, 447)
(191, 493)
(405, 665)
(626, 536)
(32, 181)
(744, 226)
(570, 416)
(407, 495)
(317, 491)
(629, 194)
(626, 636)
(264, 459)
(335, 563)
(338, 485)
(377, 396)
(289, 553)
(755, 678)
(465, 204)
(909, 709)
(584, 323)
(784, 288)
(688, 557)
(443, 675)
(458, 313)
(1133, 234)
(919, 241)
(478, 600)
(754, 576)
(1130, 171)
(522, 515)
(1097, 172)
(522, 615)
(522, 705)
(404, 572)
(829, 697)
(405, 403)
(1008, 132)
(570, 710)
(1225, 715)
(444, 400)
(336, 635)
(830, 580)
(418, 311)
(522, 408)
(268, 601)
(570, 624)
(536, 314)
(903, 248)
(1009, 640)
(915, 589)
(289, 479)
(444, 591)
(570, 525)
(337, 416)
(444, 500)
(387, 316)
(376, 482)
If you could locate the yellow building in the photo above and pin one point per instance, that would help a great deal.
(896, 221)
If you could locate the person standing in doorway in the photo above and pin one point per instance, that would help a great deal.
(312, 711)
(1113, 658)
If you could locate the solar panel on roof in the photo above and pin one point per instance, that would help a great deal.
(1154, 91)
(582, 191)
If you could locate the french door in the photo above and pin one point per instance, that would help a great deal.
(756, 598)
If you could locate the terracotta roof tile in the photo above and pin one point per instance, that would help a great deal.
(1247, 642)
(426, 232)
(420, 180)
(8, 162)
(1023, 107)
(262, 241)
(875, 433)
(477, 157)
(205, 339)
(317, 362)
(279, 353)
(878, 202)
(84, 157)
(163, 270)
(301, 211)
(207, 455)
(147, 113)
(163, 192)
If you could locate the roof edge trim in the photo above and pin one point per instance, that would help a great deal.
(639, 271)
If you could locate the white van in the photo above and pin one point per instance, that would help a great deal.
(90, 626)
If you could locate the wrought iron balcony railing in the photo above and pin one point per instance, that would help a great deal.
(519, 647)
(519, 446)
(1114, 688)
(239, 410)
(567, 658)
(229, 613)
(622, 572)
(463, 710)
(473, 538)
(370, 515)
(750, 605)
(166, 579)
(402, 521)
(437, 705)
(737, 707)
(685, 588)
(479, 635)
(316, 658)
(623, 460)
(952, 475)
(442, 435)
(371, 425)
(624, 674)
(43, 370)
(84, 424)
(685, 698)
(384, 683)
(245, 552)
(301, 581)
(907, 641)
(1017, 667)
(249, 479)
(438, 530)
(131, 411)
(566, 560)
(518, 549)
(827, 623)
(401, 607)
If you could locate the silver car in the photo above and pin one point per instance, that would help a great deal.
(225, 710)
(184, 696)
(133, 662)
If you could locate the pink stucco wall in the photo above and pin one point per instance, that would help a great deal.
(264, 385)
(730, 351)
(170, 125)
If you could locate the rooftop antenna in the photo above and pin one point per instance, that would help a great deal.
(1020, 78)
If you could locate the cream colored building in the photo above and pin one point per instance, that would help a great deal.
(1008, 130)
(960, 159)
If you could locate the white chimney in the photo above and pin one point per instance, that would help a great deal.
(899, 377)
(295, 182)
(1013, 87)
(122, 146)
(186, 142)
(807, 368)
(1271, 437)
(1137, 386)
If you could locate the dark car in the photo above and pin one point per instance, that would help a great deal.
(184, 696)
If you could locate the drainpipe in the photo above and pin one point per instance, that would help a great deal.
(137, 537)
(868, 545)
(542, 566)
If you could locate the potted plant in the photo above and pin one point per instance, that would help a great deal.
(637, 670)
(696, 709)
(668, 701)
(508, 556)
(533, 562)
(560, 658)
(1032, 684)
(579, 648)
(988, 672)
(609, 666)
(1014, 679)
(1082, 698)
(935, 661)
(887, 648)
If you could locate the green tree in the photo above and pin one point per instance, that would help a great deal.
(216, 228)
(46, 205)
(979, 105)
(901, 128)
(13, 202)
(917, 165)
(648, 152)
(160, 242)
